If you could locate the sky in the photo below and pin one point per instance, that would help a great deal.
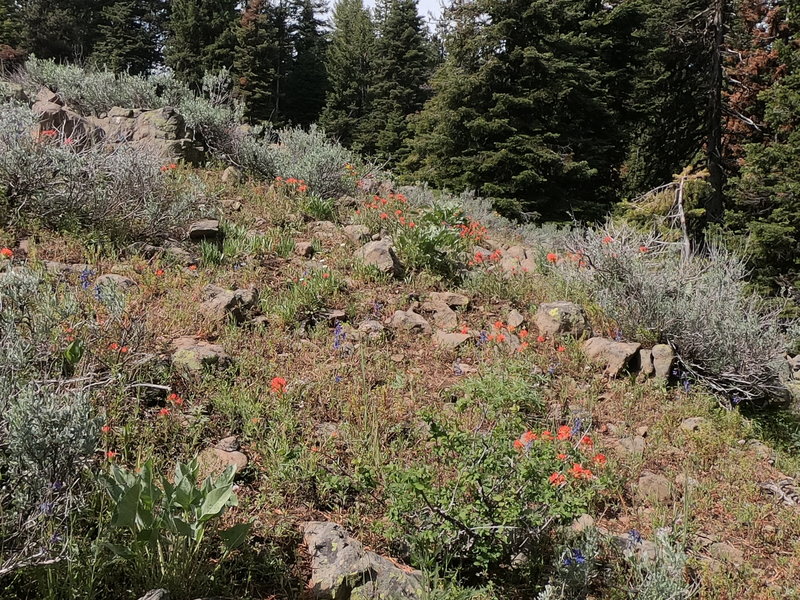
(425, 6)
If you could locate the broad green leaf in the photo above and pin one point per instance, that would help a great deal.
(235, 536)
(127, 508)
(215, 501)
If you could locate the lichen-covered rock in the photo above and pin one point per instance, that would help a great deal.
(450, 340)
(341, 569)
(410, 321)
(562, 318)
(205, 229)
(654, 488)
(451, 299)
(220, 304)
(193, 356)
(357, 233)
(663, 358)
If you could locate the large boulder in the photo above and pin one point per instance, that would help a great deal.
(451, 299)
(562, 318)
(614, 356)
(71, 127)
(381, 255)
(220, 304)
(341, 569)
(663, 358)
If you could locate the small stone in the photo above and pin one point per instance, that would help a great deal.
(192, 355)
(444, 317)
(220, 304)
(178, 256)
(213, 461)
(410, 321)
(451, 299)
(231, 175)
(450, 340)
(663, 358)
(726, 553)
(633, 445)
(686, 482)
(358, 234)
(517, 252)
(614, 356)
(159, 594)
(228, 444)
(646, 362)
(335, 315)
(206, 229)
(642, 430)
(119, 282)
(515, 318)
(582, 523)
(381, 255)
(693, 423)
(653, 487)
(371, 328)
(304, 249)
(324, 230)
(562, 318)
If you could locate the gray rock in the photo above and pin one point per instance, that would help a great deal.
(357, 233)
(633, 445)
(663, 358)
(220, 304)
(179, 256)
(794, 366)
(371, 328)
(47, 95)
(725, 552)
(451, 299)
(555, 318)
(341, 569)
(159, 594)
(192, 356)
(444, 317)
(410, 321)
(117, 281)
(213, 461)
(517, 252)
(515, 318)
(65, 268)
(205, 229)
(693, 423)
(585, 521)
(653, 487)
(450, 340)
(381, 254)
(646, 362)
(324, 230)
(231, 175)
(229, 444)
(614, 356)
(304, 249)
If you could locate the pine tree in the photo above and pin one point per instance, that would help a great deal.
(130, 34)
(348, 64)
(403, 57)
(10, 26)
(306, 81)
(201, 37)
(257, 60)
(64, 30)
(519, 108)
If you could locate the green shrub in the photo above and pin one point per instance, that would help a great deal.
(303, 301)
(661, 577)
(171, 525)
(725, 336)
(90, 91)
(122, 195)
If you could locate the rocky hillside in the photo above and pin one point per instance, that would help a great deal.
(386, 393)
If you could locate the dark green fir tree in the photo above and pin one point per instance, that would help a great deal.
(307, 80)
(130, 35)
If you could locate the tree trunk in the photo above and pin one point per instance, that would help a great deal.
(715, 202)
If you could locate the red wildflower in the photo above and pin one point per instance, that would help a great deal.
(110, 454)
(561, 456)
(175, 399)
(523, 334)
(159, 272)
(528, 437)
(564, 432)
(411, 224)
(7, 252)
(579, 472)
(541, 339)
(644, 249)
(599, 459)
(587, 441)
(113, 346)
(552, 257)
(49, 133)
(465, 329)
(518, 444)
(124, 349)
(278, 385)
(557, 479)
(608, 239)
(106, 428)
(384, 216)
(522, 346)
(561, 349)
(547, 435)
(193, 267)
(164, 412)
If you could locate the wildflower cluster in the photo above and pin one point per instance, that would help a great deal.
(291, 184)
(386, 212)
(481, 257)
(169, 167)
(502, 333)
(472, 230)
(565, 433)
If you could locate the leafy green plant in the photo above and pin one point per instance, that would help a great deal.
(304, 298)
(169, 523)
(319, 208)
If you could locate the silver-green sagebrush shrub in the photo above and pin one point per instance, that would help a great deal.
(725, 336)
(122, 195)
(171, 528)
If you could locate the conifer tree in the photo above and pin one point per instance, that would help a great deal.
(348, 65)
(130, 34)
(403, 57)
(520, 109)
(257, 60)
(201, 37)
(306, 81)
(10, 26)
(64, 30)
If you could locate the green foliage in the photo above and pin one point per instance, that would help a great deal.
(130, 32)
(170, 524)
(304, 299)
(660, 577)
(201, 38)
(63, 30)
(506, 62)
(349, 64)
(401, 66)
(60, 182)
